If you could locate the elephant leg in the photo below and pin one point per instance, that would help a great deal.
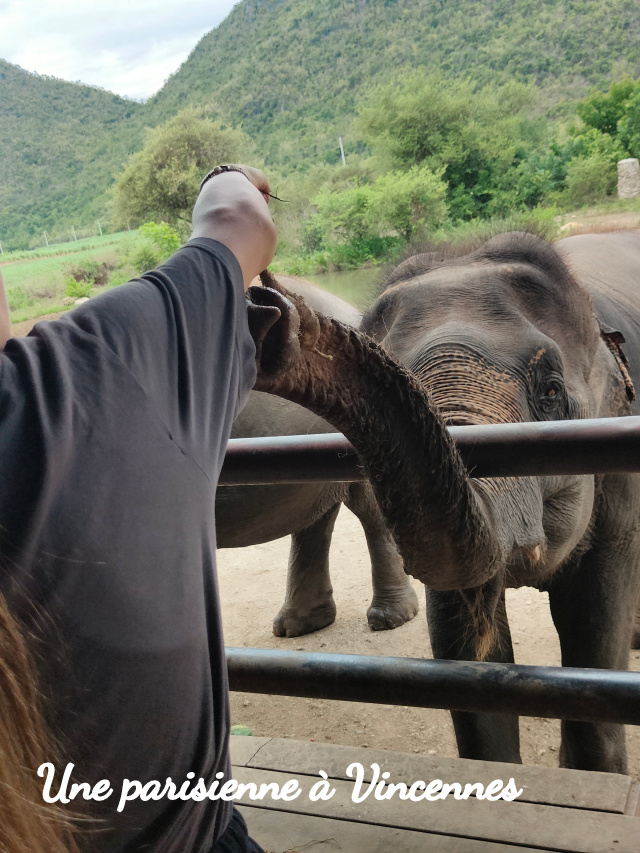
(593, 611)
(308, 604)
(483, 736)
(394, 599)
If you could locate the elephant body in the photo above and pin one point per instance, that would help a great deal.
(249, 515)
(520, 330)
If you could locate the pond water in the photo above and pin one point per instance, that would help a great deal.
(354, 286)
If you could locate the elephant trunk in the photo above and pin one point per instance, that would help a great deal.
(443, 527)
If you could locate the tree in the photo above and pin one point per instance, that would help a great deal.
(364, 220)
(161, 181)
(408, 202)
(344, 216)
(629, 125)
(471, 135)
(603, 111)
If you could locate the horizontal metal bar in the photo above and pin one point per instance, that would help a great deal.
(599, 446)
(565, 693)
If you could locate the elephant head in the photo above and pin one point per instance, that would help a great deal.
(503, 334)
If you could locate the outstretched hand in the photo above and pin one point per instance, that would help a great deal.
(232, 208)
(257, 178)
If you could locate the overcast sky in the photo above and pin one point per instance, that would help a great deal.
(126, 46)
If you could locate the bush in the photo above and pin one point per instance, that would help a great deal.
(77, 289)
(121, 276)
(363, 222)
(162, 235)
(86, 271)
(18, 298)
(408, 202)
(357, 252)
(589, 179)
(342, 216)
(91, 271)
(316, 262)
(147, 258)
(163, 241)
(545, 221)
(42, 291)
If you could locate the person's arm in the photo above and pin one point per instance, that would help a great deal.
(232, 209)
(181, 331)
(5, 319)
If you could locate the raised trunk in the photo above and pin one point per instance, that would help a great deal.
(442, 526)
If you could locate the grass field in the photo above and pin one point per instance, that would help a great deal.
(35, 281)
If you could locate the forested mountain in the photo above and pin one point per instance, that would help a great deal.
(60, 144)
(292, 73)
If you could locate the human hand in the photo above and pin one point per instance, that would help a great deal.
(230, 211)
(255, 176)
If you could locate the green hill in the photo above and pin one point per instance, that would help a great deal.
(291, 73)
(60, 144)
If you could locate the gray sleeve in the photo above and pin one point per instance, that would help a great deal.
(182, 332)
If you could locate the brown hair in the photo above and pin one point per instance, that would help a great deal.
(27, 823)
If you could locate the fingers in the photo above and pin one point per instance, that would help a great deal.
(254, 176)
(258, 179)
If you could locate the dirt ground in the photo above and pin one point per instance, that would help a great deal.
(587, 222)
(252, 583)
(19, 330)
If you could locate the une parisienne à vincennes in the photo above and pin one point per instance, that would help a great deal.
(231, 789)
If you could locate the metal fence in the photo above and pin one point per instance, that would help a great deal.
(601, 446)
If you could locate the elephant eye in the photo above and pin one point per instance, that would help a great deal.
(552, 393)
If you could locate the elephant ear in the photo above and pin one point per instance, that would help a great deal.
(614, 340)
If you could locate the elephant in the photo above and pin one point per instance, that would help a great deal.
(515, 329)
(249, 515)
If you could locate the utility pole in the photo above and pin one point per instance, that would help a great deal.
(99, 228)
(74, 233)
(46, 242)
(344, 162)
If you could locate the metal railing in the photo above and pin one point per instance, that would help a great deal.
(607, 445)
(599, 446)
(532, 691)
